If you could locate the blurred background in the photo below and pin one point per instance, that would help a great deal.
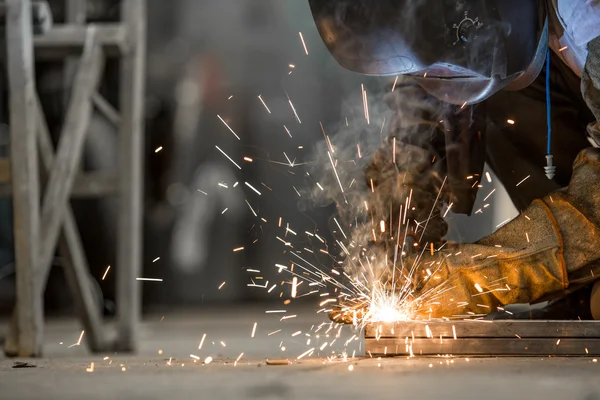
(207, 60)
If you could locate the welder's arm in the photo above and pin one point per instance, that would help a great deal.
(553, 244)
(434, 142)
(590, 87)
(452, 136)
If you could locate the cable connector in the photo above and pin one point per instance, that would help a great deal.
(549, 168)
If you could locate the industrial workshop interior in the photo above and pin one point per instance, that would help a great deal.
(300, 199)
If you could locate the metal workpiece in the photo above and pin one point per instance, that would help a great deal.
(483, 338)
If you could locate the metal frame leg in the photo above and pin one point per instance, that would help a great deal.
(131, 181)
(26, 190)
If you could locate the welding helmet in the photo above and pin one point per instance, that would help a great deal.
(461, 52)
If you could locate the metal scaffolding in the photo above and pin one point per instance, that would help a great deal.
(43, 218)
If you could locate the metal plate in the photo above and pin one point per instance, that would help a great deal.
(484, 338)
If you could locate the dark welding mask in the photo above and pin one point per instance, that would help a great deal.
(461, 52)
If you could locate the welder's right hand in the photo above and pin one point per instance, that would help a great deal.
(553, 243)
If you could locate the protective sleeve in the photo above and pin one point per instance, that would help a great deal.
(590, 87)
(580, 19)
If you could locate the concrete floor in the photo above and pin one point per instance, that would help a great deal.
(173, 373)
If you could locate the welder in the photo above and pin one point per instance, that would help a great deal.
(517, 83)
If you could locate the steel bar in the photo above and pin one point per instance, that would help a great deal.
(484, 338)
(478, 328)
(484, 347)
(86, 184)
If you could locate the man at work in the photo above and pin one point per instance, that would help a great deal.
(516, 81)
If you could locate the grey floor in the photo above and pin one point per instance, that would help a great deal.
(165, 366)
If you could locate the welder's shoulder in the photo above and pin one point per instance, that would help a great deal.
(580, 19)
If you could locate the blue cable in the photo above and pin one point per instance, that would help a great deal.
(548, 115)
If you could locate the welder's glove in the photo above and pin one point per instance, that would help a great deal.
(553, 243)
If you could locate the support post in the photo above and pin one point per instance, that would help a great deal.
(75, 15)
(25, 180)
(131, 144)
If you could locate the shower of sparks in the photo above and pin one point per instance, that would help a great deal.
(303, 43)
(524, 179)
(238, 359)
(339, 226)
(294, 287)
(307, 352)
(229, 158)
(105, 272)
(293, 109)
(263, 102)
(253, 188)
(335, 171)
(251, 209)
(78, 341)
(448, 210)
(488, 196)
(365, 103)
(331, 149)
(228, 127)
(395, 82)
